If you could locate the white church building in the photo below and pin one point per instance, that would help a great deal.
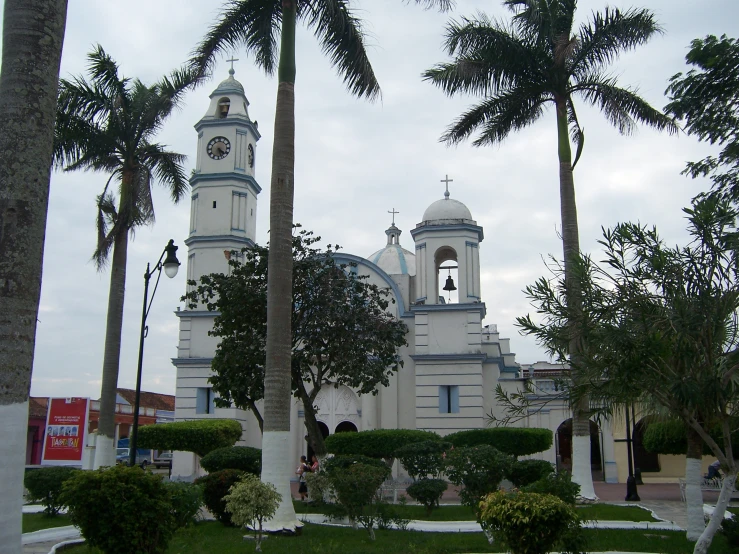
(452, 363)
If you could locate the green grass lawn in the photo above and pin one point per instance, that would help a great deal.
(36, 522)
(212, 537)
(602, 512)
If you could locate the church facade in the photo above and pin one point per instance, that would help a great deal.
(452, 361)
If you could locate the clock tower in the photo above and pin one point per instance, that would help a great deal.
(223, 217)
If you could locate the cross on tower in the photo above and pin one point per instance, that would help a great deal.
(447, 180)
(232, 60)
(393, 212)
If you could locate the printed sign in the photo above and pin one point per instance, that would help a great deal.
(66, 431)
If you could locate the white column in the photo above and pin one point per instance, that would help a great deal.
(610, 469)
(369, 412)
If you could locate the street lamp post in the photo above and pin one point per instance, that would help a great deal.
(170, 265)
(631, 491)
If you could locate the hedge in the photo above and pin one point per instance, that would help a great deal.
(525, 472)
(670, 437)
(378, 443)
(244, 458)
(515, 441)
(199, 436)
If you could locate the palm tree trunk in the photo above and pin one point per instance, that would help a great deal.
(33, 34)
(581, 465)
(276, 460)
(105, 442)
(693, 478)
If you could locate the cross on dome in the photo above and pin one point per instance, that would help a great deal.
(393, 212)
(232, 60)
(447, 180)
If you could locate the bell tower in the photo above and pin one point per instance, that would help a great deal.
(223, 215)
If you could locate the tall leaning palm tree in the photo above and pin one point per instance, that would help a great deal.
(520, 68)
(256, 25)
(33, 33)
(107, 124)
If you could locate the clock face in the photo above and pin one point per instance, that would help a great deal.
(251, 155)
(218, 148)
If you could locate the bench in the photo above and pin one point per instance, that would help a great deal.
(714, 484)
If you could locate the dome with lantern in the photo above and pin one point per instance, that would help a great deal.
(394, 259)
(447, 211)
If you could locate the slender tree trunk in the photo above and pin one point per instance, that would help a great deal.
(727, 488)
(693, 478)
(276, 461)
(581, 464)
(315, 437)
(105, 442)
(33, 34)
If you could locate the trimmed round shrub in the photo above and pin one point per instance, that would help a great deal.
(427, 492)
(515, 441)
(120, 509)
(356, 492)
(244, 458)
(528, 523)
(421, 459)
(525, 472)
(478, 469)
(341, 463)
(45, 486)
(557, 484)
(186, 499)
(378, 443)
(199, 436)
(215, 488)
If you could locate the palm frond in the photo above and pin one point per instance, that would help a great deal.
(168, 169)
(342, 40)
(497, 117)
(577, 134)
(104, 73)
(608, 34)
(442, 5)
(107, 216)
(489, 58)
(622, 107)
(254, 24)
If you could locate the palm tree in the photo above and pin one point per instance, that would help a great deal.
(107, 124)
(520, 69)
(256, 25)
(33, 34)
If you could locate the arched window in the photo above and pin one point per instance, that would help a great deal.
(447, 275)
(224, 104)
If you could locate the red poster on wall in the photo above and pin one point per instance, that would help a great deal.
(66, 431)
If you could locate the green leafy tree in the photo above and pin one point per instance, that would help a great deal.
(539, 60)
(342, 332)
(257, 25)
(250, 502)
(356, 488)
(706, 100)
(33, 34)
(478, 469)
(663, 328)
(107, 124)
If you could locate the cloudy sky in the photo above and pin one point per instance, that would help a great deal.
(355, 161)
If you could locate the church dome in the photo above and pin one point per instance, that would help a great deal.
(394, 259)
(447, 211)
(229, 85)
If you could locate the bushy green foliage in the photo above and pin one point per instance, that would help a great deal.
(427, 492)
(525, 472)
(478, 469)
(339, 463)
(120, 510)
(528, 523)
(670, 437)
(378, 443)
(421, 459)
(215, 488)
(515, 441)
(186, 500)
(356, 492)
(244, 458)
(250, 502)
(730, 529)
(201, 436)
(45, 486)
(319, 487)
(558, 484)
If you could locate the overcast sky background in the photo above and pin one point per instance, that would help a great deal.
(355, 161)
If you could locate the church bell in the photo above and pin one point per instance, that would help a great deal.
(449, 285)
